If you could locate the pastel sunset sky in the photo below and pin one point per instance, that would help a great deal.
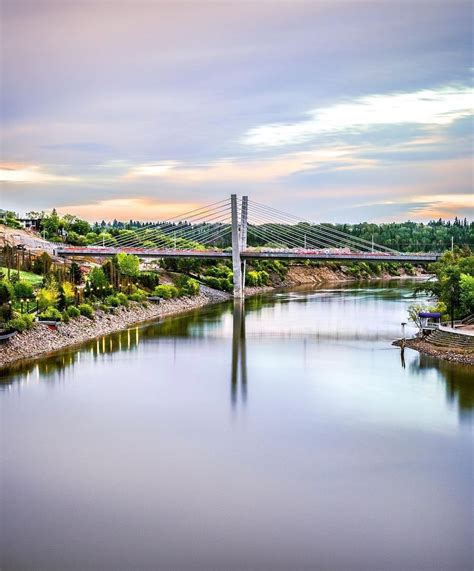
(336, 110)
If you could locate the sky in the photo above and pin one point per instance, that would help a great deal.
(338, 111)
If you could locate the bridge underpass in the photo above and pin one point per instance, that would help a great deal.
(195, 234)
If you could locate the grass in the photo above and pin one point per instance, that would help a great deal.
(34, 279)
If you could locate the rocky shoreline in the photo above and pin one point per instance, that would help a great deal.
(422, 346)
(42, 340)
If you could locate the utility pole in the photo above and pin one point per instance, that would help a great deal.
(236, 262)
(452, 243)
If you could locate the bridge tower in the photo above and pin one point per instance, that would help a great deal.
(239, 242)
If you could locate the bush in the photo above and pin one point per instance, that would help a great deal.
(187, 286)
(149, 280)
(166, 291)
(257, 278)
(6, 312)
(122, 299)
(73, 311)
(138, 295)
(86, 310)
(97, 278)
(67, 293)
(22, 322)
(51, 314)
(42, 264)
(223, 284)
(48, 297)
(7, 293)
(23, 289)
(112, 300)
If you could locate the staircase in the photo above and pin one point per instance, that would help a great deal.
(451, 340)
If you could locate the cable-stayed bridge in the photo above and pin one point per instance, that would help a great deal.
(204, 232)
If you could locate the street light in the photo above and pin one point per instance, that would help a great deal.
(403, 329)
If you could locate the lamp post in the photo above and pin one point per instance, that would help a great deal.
(403, 330)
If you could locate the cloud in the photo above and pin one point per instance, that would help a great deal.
(16, 173)
(151, 169)
(250, 169)
(418, 207)
(441, 106)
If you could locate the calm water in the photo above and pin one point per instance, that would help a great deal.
(291, 437)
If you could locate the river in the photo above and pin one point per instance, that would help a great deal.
(289, 435)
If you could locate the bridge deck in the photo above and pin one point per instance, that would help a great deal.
(251, 254)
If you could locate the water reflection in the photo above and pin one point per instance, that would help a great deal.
(325, 317)
(120, 454)
(239, 355)
(458, 380)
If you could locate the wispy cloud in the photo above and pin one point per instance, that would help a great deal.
(254, 169)
(16, 173)
(439, 106)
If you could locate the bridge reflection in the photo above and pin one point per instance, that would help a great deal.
(239, 355)
(213, 323)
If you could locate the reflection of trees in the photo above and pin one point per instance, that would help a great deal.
(193, 323)
(457, 378)
(51, 366)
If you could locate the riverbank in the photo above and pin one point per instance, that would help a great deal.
(444, 353)
(42, 340)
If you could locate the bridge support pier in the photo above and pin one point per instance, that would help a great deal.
(239, 243)
(236, 261)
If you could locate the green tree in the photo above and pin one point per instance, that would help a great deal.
(129, 265)
(467, 294)
(23, 290)
(48, 296)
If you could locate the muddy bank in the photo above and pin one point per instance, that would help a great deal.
(307, 275)
(447, 354)
(41, 339)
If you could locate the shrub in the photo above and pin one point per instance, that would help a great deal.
(112, 300)
(65, 317)
(42, 264)
(129, 265)
(166, 291)
(223, 284)
(48, 297)
(7, 293)
(186, 285)
(22, 322)
(138, 295)
(51, 313)
(67, 293)
(122, 299)
(23, 289)
(6, 312)
(86, 310)
(73, 311)
(148, 280)
(97, 278)
(257, 278)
